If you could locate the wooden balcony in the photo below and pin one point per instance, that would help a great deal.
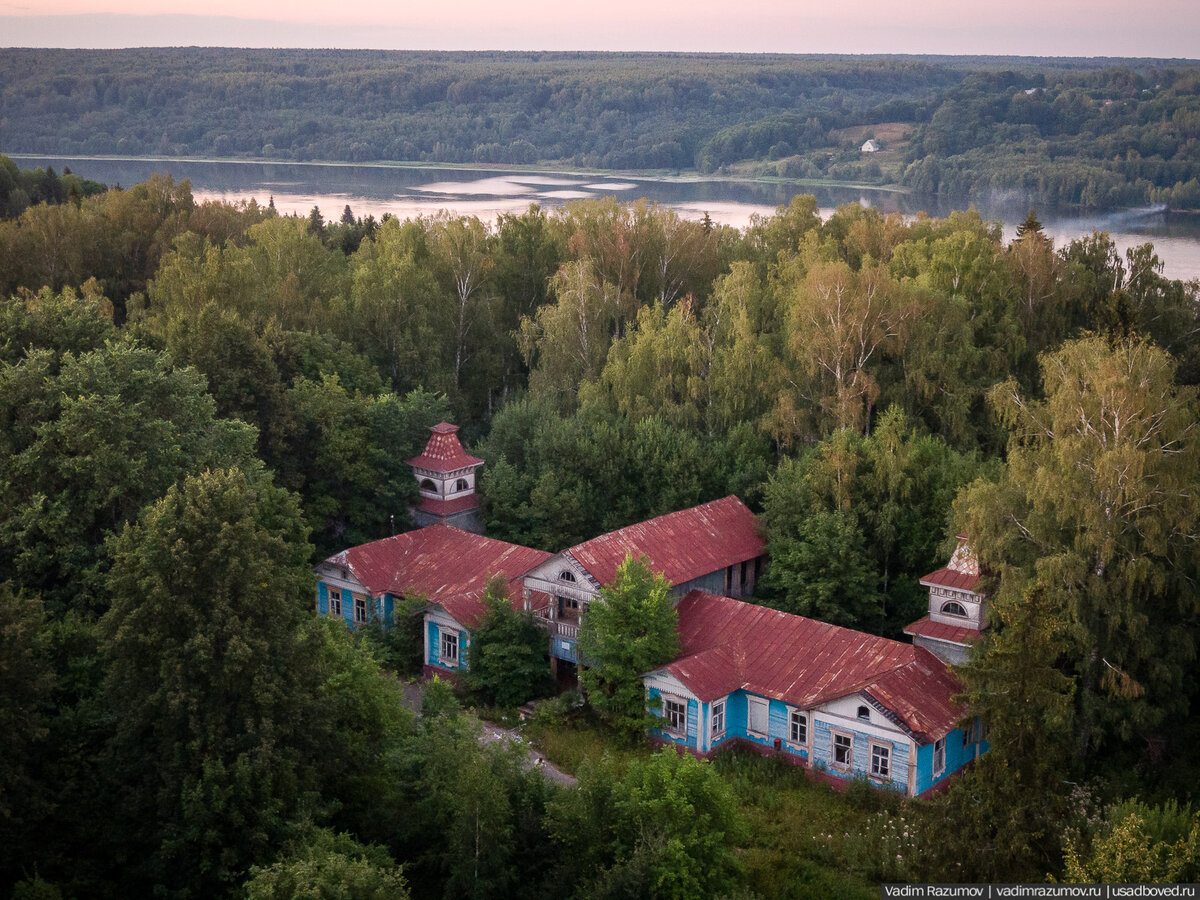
(568, 629)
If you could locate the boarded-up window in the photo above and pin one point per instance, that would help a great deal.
(758, 715)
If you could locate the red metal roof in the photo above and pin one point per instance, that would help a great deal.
(444, 453)
(444, 564)
(961, 573)
(947, 577)
(728, 645)
(940, 631)
(448, 507)
(681, 545)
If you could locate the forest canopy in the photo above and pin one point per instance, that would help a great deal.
(1099, 133)
(199, 400)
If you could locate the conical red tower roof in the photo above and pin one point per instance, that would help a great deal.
(444, 453)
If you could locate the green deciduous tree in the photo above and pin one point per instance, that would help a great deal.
(329, 866)
(509, 664)
(207, 682)
(85, 442)
(663, 828)
(628, 630)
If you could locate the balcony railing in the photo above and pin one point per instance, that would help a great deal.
(560, 628)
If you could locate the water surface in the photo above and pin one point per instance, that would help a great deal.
(409, 191)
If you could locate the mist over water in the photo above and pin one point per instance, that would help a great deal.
(407, 192)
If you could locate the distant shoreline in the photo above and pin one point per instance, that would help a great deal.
(657, 175)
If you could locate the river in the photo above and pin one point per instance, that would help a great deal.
(408, 191)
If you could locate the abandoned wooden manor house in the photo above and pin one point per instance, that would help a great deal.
(841, 702)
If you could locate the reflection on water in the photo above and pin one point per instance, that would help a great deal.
(407, 192)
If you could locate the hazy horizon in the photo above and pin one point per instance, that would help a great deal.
(1161, 29)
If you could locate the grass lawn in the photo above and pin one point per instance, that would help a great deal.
(801, 838)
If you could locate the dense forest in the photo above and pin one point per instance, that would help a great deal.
(199, 400)
(1096, 133)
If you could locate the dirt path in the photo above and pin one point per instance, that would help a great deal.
(490, 733)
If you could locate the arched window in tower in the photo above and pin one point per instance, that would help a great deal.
(461, 485)
(954, 609)
(428, 485)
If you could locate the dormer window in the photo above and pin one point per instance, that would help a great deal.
(954, 608)
(864, 713)
(566, 575)
(461, 485)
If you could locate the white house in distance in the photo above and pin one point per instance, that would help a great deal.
(715, 546)
(870, 146)
(957, 610)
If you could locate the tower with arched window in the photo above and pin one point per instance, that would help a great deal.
(957, 610)
(445, 476)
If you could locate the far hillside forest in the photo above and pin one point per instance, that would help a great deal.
(1093, 133)
(200, 400)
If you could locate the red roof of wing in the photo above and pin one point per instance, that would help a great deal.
(940, 631)
(444, 453)
(728, 645)
(448, 507)
(446, 565)
(681, 545)
(947, 577)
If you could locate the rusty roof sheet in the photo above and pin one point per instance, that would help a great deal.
(444, 453)
(439, 507)
(954, 634)
(728, 645)
(681, 545)
(947, 577)
(444, 564)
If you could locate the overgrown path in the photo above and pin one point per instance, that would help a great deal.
(490, 734)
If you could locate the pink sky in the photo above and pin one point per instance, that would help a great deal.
(1157, 28)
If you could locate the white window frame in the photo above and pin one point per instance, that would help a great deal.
(833, 751)
(939, 756)
(881, 752)
(447, 646)
(765, 705)
(949, 612)
(718, 719)
(335, 602)
(360, 610)
(798, 718)
(670, 715)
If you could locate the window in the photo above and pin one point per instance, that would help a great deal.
(939, 756)
(881, 760)
(566, 575)
(718, 718)
(843, 751)
(799, 732)
(335, 603)
(864, 713)
(428, 485)
(449, 648)
(360, 609)
(462, 485)
(675, 712)
(757, 714)
(954, 609)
